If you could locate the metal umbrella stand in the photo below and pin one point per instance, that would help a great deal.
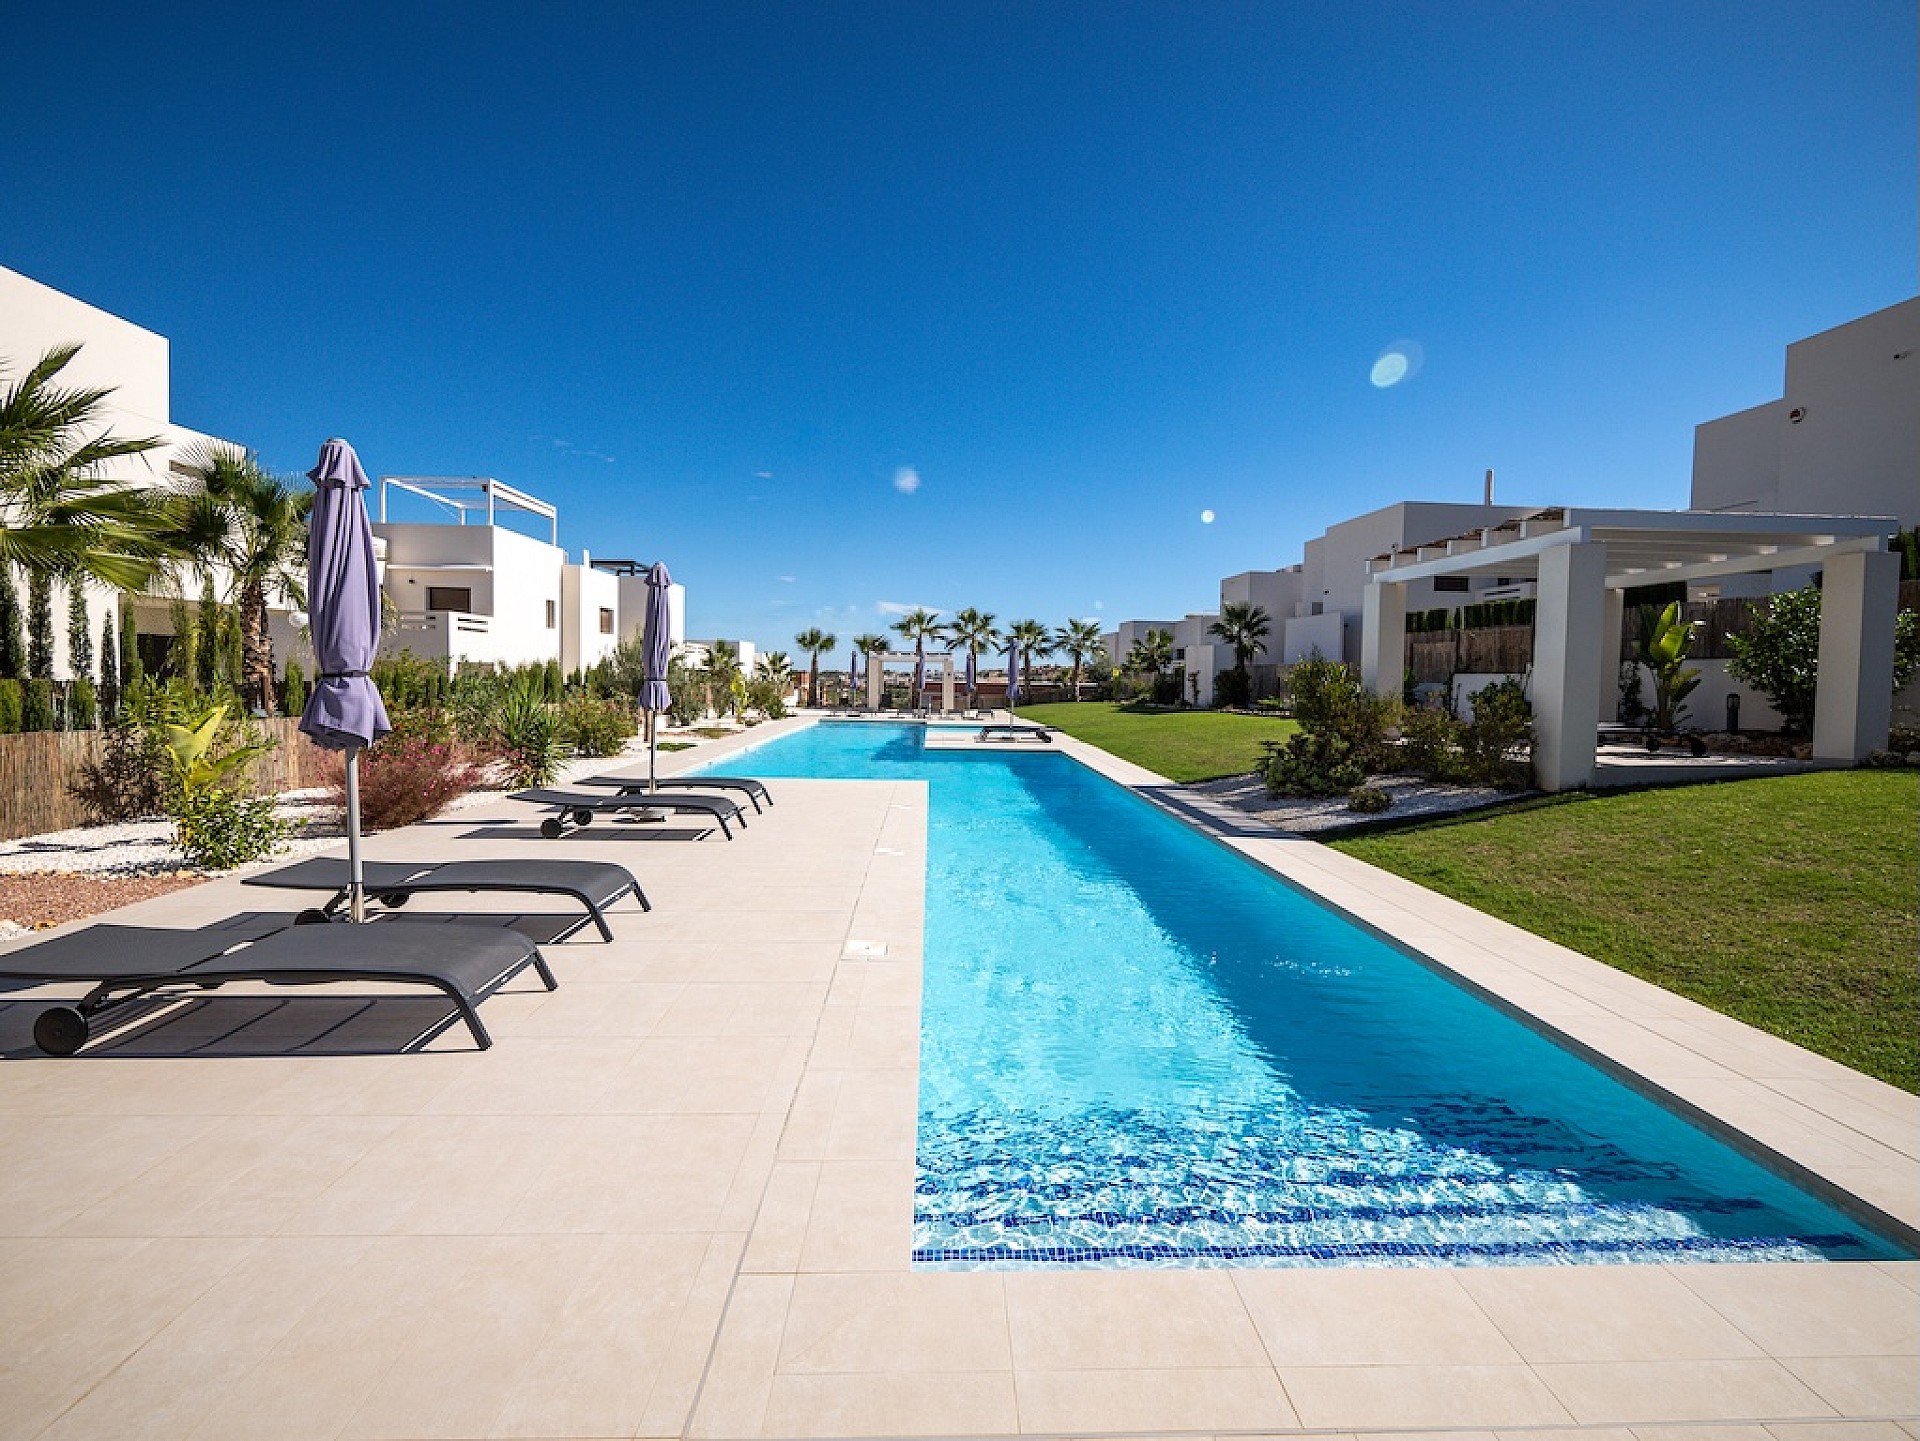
(344, 711)
(656, 651)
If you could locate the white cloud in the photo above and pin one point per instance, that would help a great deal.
(763, 475)
(906, 480)
(1099, 605)
(895, 607)
(785, 579)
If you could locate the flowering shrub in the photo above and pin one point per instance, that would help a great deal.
(407, 779)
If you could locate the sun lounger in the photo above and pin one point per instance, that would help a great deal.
(754, 790)
(580, 807)
(465, 963)
(1015, 733)
(595, 884)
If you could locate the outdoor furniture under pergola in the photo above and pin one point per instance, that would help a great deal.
(1584, 560)
(876, 675)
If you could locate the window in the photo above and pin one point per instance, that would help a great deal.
(1452, 582)
(553, 615)
(606, 621)
(449, 597)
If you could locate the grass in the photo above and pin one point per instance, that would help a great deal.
(1791, 902)
(1183, 746)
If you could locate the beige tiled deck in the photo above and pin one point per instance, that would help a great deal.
(675, 1199)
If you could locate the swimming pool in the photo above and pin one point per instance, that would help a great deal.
(1139, 1049)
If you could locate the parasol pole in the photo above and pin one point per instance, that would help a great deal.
(356, 876)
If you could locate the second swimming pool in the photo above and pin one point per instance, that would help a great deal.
(1139, 1049)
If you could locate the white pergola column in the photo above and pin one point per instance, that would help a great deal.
(1853, 700)
(946, 686)
(1613, 607)
(1383, 637)
(876, 666)
(1567, 662)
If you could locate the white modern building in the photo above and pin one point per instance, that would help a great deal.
(135, 365)
(1583, 561)
(630, 603)
(1842, 439)
(475, 591)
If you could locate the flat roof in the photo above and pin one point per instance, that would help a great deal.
(1644, 547)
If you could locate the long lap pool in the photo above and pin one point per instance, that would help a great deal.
(1139, 1049)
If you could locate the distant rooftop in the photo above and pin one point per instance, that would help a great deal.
(453, 492)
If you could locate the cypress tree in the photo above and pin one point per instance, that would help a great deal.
(183, 656)
(40, 627)
(206, 641)
(79, 631)
(109, 671)
(13, 655)
(132, 670)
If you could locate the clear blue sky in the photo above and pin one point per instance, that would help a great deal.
(713, 278)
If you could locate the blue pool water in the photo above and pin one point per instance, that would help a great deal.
(1139, 1049)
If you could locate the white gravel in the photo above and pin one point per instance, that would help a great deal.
(1412, 796)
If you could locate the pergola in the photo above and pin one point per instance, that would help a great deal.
(877, 664)
(1582, 561)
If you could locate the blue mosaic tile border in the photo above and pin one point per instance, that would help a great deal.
(1380, 1250)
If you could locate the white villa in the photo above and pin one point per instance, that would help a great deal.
(470, 590)
(136, 365)
(1813, 481)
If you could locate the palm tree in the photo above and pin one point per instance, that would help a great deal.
(972, 631)
(253, 525)
(918, 626)
(723, 677)
(1030, 638)
(870, 645)
(58, 514)
(775, 666)
(1151, 656)
(813, 640)
(1080, 639)
(1242, 625)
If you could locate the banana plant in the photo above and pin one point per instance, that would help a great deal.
(190, 751)
(1665, 640)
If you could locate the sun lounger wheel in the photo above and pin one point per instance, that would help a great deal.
(583, 818)
(551, 828)
(312, 916)
(393, 900)
(60, 1030)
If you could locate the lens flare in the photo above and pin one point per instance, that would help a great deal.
(1400, 361)
(1206, 517)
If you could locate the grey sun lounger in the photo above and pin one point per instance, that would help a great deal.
(755, 791)
(595, 884)
(580, 807)
(464, 963)
(1015, 733)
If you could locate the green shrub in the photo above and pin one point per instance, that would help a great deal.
(526, 732)
(421, 723)
(1502, 723)
(129, 779)
(1232, 689)
(1311, 763)
(218, 829)
(10, 706)
(1369, 800)
(83, 706)
(595, 727)
(36, 706)
(1430, 741)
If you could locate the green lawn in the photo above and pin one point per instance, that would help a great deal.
(1193, 745)
(1792, 902)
